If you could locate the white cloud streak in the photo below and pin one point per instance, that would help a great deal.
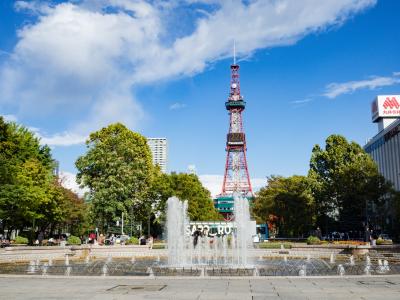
(334, 90)
(177, 105)
(82, 60)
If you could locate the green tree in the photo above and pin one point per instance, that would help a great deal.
(118, 171)
(185, 187)
(74, 211)
(347, 183)
(289, 201)
(25, 177)
(200, 205)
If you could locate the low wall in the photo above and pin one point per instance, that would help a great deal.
(27, 253)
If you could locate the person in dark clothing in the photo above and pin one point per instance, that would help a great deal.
(40, 238)
(367, 235)
(196, 235)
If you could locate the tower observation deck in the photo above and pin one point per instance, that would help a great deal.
(236, 176)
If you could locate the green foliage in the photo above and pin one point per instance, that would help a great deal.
(159, 246)
(269, 245)
(132, 241)
(188, 187)
(185, 187)
(381, 241)
(118, 170)
(290, 200)
(73, 240)
(21, 240)
(25, 177)
(30, 195)
(347, 179)
(313, 240)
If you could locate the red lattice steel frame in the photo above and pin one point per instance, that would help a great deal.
(236, 177)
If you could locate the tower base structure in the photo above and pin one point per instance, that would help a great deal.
(225, 205)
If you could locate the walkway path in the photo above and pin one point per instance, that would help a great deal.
(363, 287)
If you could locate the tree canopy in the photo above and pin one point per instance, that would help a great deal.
(29, 191)
(118, 171)
(287, 205)
(185, 187)
(348, 181)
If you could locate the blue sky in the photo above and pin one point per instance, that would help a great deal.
(308, 69)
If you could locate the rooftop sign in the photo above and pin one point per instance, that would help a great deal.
(385, 106)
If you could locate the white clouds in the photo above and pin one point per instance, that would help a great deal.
(10, 118)
(68, 180)
(62, 139)
(80, 60)
(177, 105)
(214, 183)
(302, 101)
(334, 90)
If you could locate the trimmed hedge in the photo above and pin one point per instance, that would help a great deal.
(268, 245)
(159, 246)
(313, 240)
(74, 240)
(21, 240)
(132, 241)
(381, 241)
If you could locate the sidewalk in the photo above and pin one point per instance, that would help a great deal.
(363, 287)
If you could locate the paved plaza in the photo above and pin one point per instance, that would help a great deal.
(361, 287)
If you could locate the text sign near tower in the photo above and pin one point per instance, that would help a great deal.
(236, 176)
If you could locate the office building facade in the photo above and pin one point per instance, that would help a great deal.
(159, 150)
(384, 147)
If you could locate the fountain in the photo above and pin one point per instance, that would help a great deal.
(44, 268)
(68, 271)
(109, 259)
(368, 261)
(340, 270)
(303, 270)
(66, 260)
(351, 259)
(32, 267)
(332, 259)
(104, 270)
(367, 269)
(228, 247)
(383, 267)
(386, 266)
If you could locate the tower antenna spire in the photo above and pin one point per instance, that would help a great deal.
(234, 52)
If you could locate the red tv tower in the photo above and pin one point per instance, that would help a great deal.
(236, 177)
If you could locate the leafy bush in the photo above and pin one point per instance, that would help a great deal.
(313, 240)
(267, 245)
(381, 241)
(353, 243)
(132, 241)
(21, 240)
(74, 240)
(159, 246)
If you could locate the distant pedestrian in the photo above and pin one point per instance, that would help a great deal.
(40, 237)
(150, 242)
(318, 233)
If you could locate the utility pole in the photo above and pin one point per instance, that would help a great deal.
(122, 224)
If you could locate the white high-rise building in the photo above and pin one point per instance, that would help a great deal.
(158, 147)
